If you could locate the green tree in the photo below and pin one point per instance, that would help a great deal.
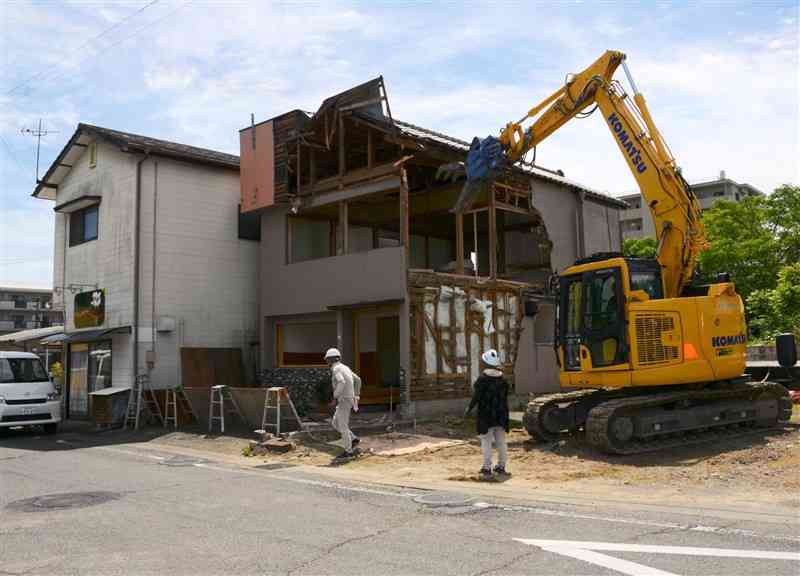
(640, 247)
(777, 310)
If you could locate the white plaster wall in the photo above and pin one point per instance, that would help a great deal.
(107, 261)
(206, 277)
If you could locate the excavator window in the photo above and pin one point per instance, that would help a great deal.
(603, 330)
(646, 275)
(571, 320)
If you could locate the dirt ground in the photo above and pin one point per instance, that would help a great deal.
(761, 465)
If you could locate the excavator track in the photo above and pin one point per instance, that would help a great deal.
(617, 427)
(539, 419)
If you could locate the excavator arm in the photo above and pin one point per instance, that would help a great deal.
(675, 209)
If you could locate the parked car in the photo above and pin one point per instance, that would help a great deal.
(27, 395)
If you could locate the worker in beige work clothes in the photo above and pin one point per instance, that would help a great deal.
(346, 387)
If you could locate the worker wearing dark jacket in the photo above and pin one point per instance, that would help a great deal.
(490, 395)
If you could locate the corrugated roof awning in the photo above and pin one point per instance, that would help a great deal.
(32, 334)
(90, 335)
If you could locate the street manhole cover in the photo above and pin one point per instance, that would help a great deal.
(181, 461)
(276, 466)
(66, 501)
(443, 499)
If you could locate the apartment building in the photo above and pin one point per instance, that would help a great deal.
(26, 309)
(637, 222)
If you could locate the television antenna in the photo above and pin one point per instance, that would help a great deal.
(38, 133)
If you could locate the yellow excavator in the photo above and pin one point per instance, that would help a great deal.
(653, 358)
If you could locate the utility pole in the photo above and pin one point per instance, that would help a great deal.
(38, 132)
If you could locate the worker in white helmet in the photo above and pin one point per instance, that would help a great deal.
(346, 388)
(490, 395)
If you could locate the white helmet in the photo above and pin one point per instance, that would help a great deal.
(490, 358)
(332, 353)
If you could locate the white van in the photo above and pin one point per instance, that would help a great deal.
(27, 395)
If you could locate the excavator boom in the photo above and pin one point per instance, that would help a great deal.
(674, 207)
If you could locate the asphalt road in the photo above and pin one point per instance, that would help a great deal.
(69, 506)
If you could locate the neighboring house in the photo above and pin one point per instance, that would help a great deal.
(637, 222)
(152, 263)
(360, 250)
(27, 309)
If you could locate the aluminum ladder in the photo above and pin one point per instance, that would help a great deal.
(219, 394)
(277, 393)
(176, 396)
(142, 397)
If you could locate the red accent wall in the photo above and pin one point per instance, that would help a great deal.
(257, 172)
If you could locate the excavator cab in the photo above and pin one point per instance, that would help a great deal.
(592, 320)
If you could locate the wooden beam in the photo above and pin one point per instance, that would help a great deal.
(370, 148)
(492, 236)
(299, 169)
(312, 168)
(342, 157)
(459, 243)
(404, 216)
(343, 230)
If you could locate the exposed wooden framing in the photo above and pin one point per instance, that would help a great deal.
(343, 230)
(492, 236)
(331, 183)
(459, 243)
(435, 333)
(370, 148)
(452, 335)
(475, 241)
(509, 208)
(404, 215)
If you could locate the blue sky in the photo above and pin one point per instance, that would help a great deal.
(721, 79)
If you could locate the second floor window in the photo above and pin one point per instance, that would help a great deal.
(83, 225)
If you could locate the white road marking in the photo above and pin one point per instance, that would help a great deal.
(606, 561)
(651, 549)
(589, 552)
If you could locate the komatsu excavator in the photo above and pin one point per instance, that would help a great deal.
(654, 359)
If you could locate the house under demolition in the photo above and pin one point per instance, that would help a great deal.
(360, 249)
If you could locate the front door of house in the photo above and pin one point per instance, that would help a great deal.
(78, 381)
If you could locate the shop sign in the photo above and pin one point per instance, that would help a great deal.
(90, 309)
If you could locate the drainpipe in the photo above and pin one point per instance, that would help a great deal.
(136, 247)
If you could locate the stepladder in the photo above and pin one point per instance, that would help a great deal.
(175, 404)
(142, 399)
(273, 398)
(221, 402)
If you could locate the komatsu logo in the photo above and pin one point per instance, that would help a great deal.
(627, 140)
(718, 341)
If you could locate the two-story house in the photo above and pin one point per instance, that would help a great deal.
(154, 267)
(361, 250)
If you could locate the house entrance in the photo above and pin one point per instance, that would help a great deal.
(377, 352)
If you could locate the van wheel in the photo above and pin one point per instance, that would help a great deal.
(50, 428)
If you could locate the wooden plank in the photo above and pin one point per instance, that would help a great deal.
(453, 332)
(370, 149)
(405, 239)
(342, 157)
(459, 243)
(299, 169)
(492, 235)
(436, 336)
(343, 230)
(437, 340)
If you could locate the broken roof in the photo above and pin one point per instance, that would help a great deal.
(127, 142)
(462, 146)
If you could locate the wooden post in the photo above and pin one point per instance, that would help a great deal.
(312, 167)
(459, 243)
(370, 149)
(342, 157)
(343, 228)
(298, 166)
(404, 215)
(492, 234)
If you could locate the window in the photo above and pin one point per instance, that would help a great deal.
(21, 370)
(19, 321)
(249, 225)
(20, 302)
(310, 239)
(83, 225)
(92, 154)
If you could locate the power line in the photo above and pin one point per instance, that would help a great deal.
(84, 45)
(11, 153)
(125, 38)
